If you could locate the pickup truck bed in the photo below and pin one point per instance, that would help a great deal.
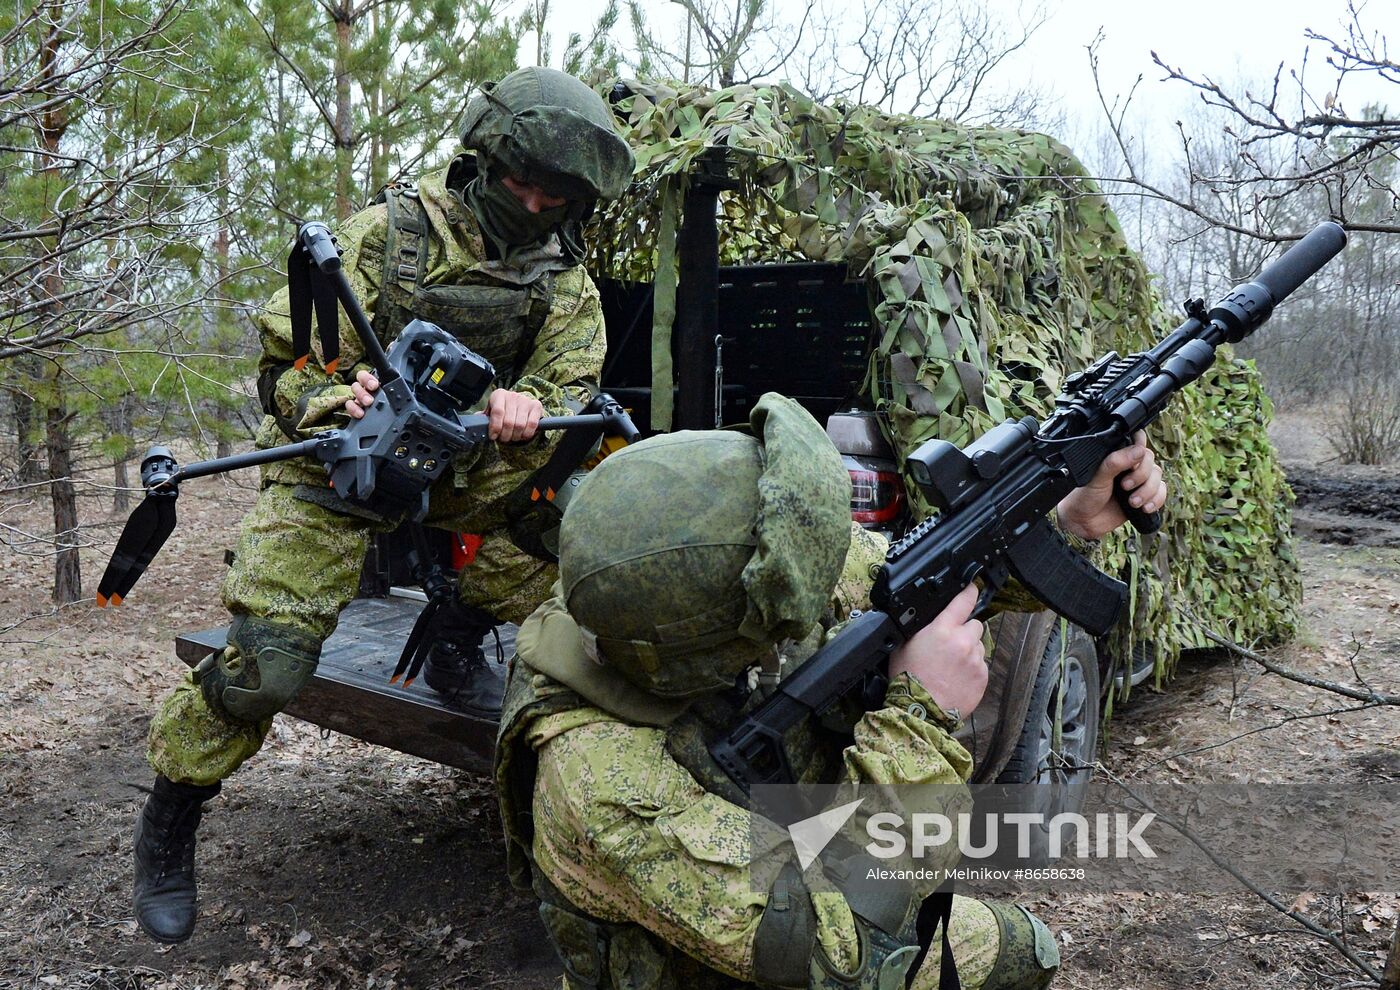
(351, 692)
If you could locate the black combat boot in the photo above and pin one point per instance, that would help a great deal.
(465, 679)
(165, 895)
(457, 667)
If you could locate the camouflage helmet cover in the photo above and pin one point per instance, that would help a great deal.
(686, 557)
(545, 127)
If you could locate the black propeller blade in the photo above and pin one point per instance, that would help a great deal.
(147, 529)
(299, 298)
(415, 651)
(439, 588)
(327, 318)
(573, 447)
(309, 288)
(145, 533)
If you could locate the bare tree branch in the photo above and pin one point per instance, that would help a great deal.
(1366, 694)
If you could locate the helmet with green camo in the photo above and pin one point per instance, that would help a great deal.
(686, 557)
(546, 128)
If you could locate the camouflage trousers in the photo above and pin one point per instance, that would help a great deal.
(298, 563)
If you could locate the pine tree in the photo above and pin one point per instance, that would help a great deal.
(364, 92)
(107, 198)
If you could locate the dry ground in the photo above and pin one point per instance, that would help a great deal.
(332, 863)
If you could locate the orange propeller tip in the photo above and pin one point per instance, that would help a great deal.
(300, 362)
(534, 494)
(116, 599)
(409, 682)
(101, 600)
(331, 366)
(549, 495)
(395, 679)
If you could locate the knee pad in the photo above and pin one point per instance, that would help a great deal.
(1028, 957)
(884, 913)
(262, 670)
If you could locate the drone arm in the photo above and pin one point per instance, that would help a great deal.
(202, 469)
(610, 422)
(374, 351)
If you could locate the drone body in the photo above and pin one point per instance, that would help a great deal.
(387, 461)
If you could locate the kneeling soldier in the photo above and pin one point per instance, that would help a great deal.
(685, 561)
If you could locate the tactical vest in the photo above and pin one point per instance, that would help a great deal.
(498, 314)
(597, 954)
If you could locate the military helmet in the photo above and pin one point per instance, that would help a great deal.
(547, 128)
(686, 557)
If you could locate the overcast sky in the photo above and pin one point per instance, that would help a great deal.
(1230, 39)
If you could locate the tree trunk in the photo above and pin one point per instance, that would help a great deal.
(31, 468)
(121, 478)
(121, 498)
(223, 333)
(344, 139)
(378, 149)
(541, 17)
(1390, 979)
(67, 577)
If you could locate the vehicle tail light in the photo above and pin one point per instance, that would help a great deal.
(877, 497)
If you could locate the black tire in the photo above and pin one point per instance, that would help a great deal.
(1059, 774)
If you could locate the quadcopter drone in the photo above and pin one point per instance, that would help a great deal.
(385, 461)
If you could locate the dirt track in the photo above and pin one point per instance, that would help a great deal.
(331, 863)
(1361, 507)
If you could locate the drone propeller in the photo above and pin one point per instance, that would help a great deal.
(415, 651)
(327, 318)
(574, 447)
(309, 288)
(440, 590)
(154, 519)
(145, 532)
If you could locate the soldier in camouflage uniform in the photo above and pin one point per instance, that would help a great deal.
(638, 845)
(488, 249)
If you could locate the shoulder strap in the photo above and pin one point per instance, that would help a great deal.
(404, 247)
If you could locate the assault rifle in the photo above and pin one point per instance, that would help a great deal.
(995, 498)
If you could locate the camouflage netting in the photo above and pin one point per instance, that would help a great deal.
(994, 264)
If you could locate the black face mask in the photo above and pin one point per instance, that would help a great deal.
(506, 221)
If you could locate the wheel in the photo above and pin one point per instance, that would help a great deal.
(1055, 751)
(1064, 705)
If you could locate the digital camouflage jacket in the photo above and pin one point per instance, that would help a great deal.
(535, 316)
(622, 824)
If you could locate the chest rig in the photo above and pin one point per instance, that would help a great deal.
(498, 315)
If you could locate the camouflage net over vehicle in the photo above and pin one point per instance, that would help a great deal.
(994, 263)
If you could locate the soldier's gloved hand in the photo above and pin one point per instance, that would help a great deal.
(947, 656)
(1092, 512)
(364, 387)
(514, 415)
